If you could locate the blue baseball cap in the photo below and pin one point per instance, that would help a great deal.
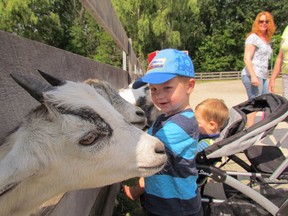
(167, 64)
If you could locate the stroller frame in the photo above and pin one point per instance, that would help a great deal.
(235, 138)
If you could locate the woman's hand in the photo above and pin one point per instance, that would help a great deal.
(254, 81)
(272, 85)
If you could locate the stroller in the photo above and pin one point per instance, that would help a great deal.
(257, 187)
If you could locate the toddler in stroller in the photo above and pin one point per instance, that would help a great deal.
(251, 191)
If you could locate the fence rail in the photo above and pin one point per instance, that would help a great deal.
(224, 75)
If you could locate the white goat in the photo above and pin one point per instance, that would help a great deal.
(74, 140)
(141, 97)
(127, 109)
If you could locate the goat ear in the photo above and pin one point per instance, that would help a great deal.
(50, 79)
(33, 86)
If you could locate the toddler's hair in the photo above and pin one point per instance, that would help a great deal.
(214, 109)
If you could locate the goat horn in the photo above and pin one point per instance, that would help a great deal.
(33, 86)
(52, 80)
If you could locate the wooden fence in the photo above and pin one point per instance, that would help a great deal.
(224, 75)
(227, 75)
(99, 10)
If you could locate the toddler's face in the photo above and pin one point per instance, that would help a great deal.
(204, 128)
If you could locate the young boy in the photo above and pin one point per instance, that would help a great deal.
(212, 116)
(173, 191)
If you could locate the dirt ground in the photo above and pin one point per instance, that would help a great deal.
(231, 91)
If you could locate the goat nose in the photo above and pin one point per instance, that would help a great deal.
(159, 148)
(140, 113)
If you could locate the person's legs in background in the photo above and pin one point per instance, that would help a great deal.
(264, 88)
(251, 91)
(285, 85)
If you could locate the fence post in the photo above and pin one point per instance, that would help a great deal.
(130, 67)
(124, 61)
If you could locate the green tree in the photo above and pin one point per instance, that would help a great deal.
(88, 39)
(226, 24)
(154, 25)
(64, 24)
(31, 19)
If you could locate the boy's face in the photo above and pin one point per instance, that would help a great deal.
(172, 96)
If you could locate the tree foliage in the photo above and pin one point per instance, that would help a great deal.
(32, 19)
(64, 24)
(212, 31)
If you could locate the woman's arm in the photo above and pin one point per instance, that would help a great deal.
(248, 56)
(276, 70)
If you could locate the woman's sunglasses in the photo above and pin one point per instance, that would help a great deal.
(263, 21)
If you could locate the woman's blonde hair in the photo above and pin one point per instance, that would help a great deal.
(214, 109)
(271, 25)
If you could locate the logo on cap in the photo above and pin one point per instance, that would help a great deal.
(157, 64)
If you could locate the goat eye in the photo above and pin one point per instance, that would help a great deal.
(89, 139)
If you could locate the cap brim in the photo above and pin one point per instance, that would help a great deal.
(138, 83)
(153, 78)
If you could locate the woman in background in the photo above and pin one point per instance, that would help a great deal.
(256, 58)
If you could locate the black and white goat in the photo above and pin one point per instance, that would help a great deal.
(141, 97)
(76, 139)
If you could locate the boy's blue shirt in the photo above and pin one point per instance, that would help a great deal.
(173, 190)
